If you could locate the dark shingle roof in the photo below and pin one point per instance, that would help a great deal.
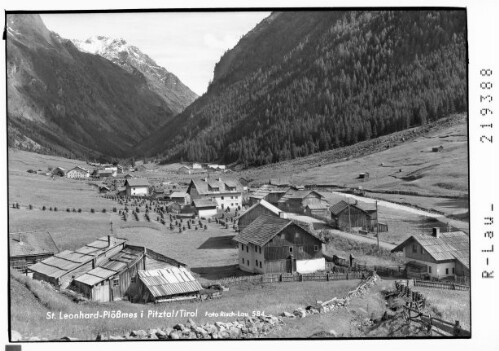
(448, 246)
(216, 186)
(343, 204)
(262, 230)
(137, 182)
(298, 194)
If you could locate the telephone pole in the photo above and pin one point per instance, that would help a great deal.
(377, 224)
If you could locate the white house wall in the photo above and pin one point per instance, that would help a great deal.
(310, 266)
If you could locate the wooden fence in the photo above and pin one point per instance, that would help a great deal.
(289, 277)
(440, 285)
(416, 303)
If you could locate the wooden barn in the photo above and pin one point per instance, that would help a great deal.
(165, 284)
(440, 255)
(137, 187)
(317, 210)
(59, 172)
(180, 197)
(269, 193)
(102, 270)
(276, 245)
(172, 207)
(297, 200)
(261, 208)
(29, 248)
(347, 215)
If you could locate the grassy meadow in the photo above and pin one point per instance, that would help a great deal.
(31, 300)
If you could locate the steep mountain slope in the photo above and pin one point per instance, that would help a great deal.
(176, 95)
(64, 101)
(303, 82)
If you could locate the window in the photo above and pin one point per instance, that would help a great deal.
(446, 270)
(429, 269)
(256, 263)
(247, 262)
(260, 249)
(256, 249)
(133, 280)
(414, 248)
(452, 270)
(282, 236)
(300, 249)
(247, 248)
(242, 246)
(260, 264)
(243, 260)
(222, 197)
(422, 251)
(291, 249)
(316, 248)
(116, 282)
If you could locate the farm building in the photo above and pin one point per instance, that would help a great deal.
(104, 189)
(78, 173)
(226, 193)
(166, 284)
(317, 210)
(196, 166)
(437, 148)
(269, 193)
(103, 173)
(137, 187)
(354, 214)
(184, 170)
(58, 171)
(180, 197)
(261, 208)
(102, 270)
(128, 176)
(439, 255)
(364, 175)
(215, 167)
(275, 245)
(296, 200)
(27, 249)
(205, 207)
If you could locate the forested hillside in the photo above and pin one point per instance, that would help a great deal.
(304, 82)
(66, 102)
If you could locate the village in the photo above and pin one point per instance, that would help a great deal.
(195, 232)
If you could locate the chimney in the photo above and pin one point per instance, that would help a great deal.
(436, 232)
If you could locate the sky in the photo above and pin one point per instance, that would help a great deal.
(187, 44)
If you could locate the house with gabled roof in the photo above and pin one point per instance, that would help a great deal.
(226, 193)
(78, 173)
(137, 187)
(205, 207)
(29, 248)
(260, 208)
(180, 197)
(296, 200)
(269, 193)
(272, 244)
(439, 255)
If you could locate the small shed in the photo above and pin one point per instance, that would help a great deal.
(27, 249)
(205, 207)
(364, 175)
(172, 207)
(166, 284)
(437, 148)
(182, 198)
(317, 210)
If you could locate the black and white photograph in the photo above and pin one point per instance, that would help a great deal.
(225, 173)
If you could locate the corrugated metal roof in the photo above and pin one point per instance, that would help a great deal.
(169, 281)
(448, 246)
(89, 279)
